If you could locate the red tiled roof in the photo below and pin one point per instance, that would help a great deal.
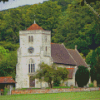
(77, 57)
(8, 79)
(71, 71)
(34, 27)
(61, 55)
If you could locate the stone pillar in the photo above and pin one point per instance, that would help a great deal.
(0, 92)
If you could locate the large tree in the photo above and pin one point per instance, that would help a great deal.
(93, 58)
(51, 73)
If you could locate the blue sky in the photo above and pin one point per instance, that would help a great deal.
(16, 3)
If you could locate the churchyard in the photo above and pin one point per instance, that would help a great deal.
(94, 95)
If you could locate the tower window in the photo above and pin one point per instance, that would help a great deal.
(46, 48)
(31, 66)
(45, 38)
(30, 38)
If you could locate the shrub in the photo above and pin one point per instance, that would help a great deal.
(98, 79)
(56, 81)
(6, 91)
(82, 76)
(91, 85)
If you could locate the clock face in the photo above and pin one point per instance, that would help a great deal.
(30, 49)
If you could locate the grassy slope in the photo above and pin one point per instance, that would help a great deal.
(94, 95)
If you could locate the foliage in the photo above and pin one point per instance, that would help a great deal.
(78, 26)
(93, 58)
(7, 65)
(6, 91)
(63, 3)
(60, 74)
(91, 85)
(50, 73)
(89, 57)
(57, 87)
(82, 76)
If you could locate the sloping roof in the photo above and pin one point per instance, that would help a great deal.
(61, 55)
(6, 80)
(71, 71)
(77, 57)
(35, 27)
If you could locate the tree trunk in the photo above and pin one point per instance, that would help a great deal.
(50, 85)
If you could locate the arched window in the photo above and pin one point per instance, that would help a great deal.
(31, 66)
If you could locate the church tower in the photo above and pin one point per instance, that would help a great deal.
(35, 47)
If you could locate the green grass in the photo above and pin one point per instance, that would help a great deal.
(28, 88)
(57, 87)
(94, 95)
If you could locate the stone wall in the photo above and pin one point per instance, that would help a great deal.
(37, 91)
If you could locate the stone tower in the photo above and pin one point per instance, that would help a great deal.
(35, 47)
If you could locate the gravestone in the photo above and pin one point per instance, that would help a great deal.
(95, 83)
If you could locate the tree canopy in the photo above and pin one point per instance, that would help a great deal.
(51, 74)
(93, 58)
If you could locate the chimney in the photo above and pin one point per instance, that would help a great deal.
(75, 47)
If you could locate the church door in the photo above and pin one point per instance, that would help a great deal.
(32, 82)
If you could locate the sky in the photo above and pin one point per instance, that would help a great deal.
(16, 3)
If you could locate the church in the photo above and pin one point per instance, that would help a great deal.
(35, 48)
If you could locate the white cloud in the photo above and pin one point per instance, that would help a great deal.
(16, 3)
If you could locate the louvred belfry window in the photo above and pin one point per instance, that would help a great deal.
(30, 38)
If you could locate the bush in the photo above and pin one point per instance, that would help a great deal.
(56, 81)
(6, 91)
(91, 85)
(82, 76)
(98, 79)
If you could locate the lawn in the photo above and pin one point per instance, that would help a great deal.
(94, 95)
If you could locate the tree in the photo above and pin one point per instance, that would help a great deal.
(63, 3)
(8, 61)
(78, 26)
(46, 14)
(50, 74)
(60, 74)
(82, 76)
(93, 58)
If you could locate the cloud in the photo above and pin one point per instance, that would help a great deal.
(16, 3)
